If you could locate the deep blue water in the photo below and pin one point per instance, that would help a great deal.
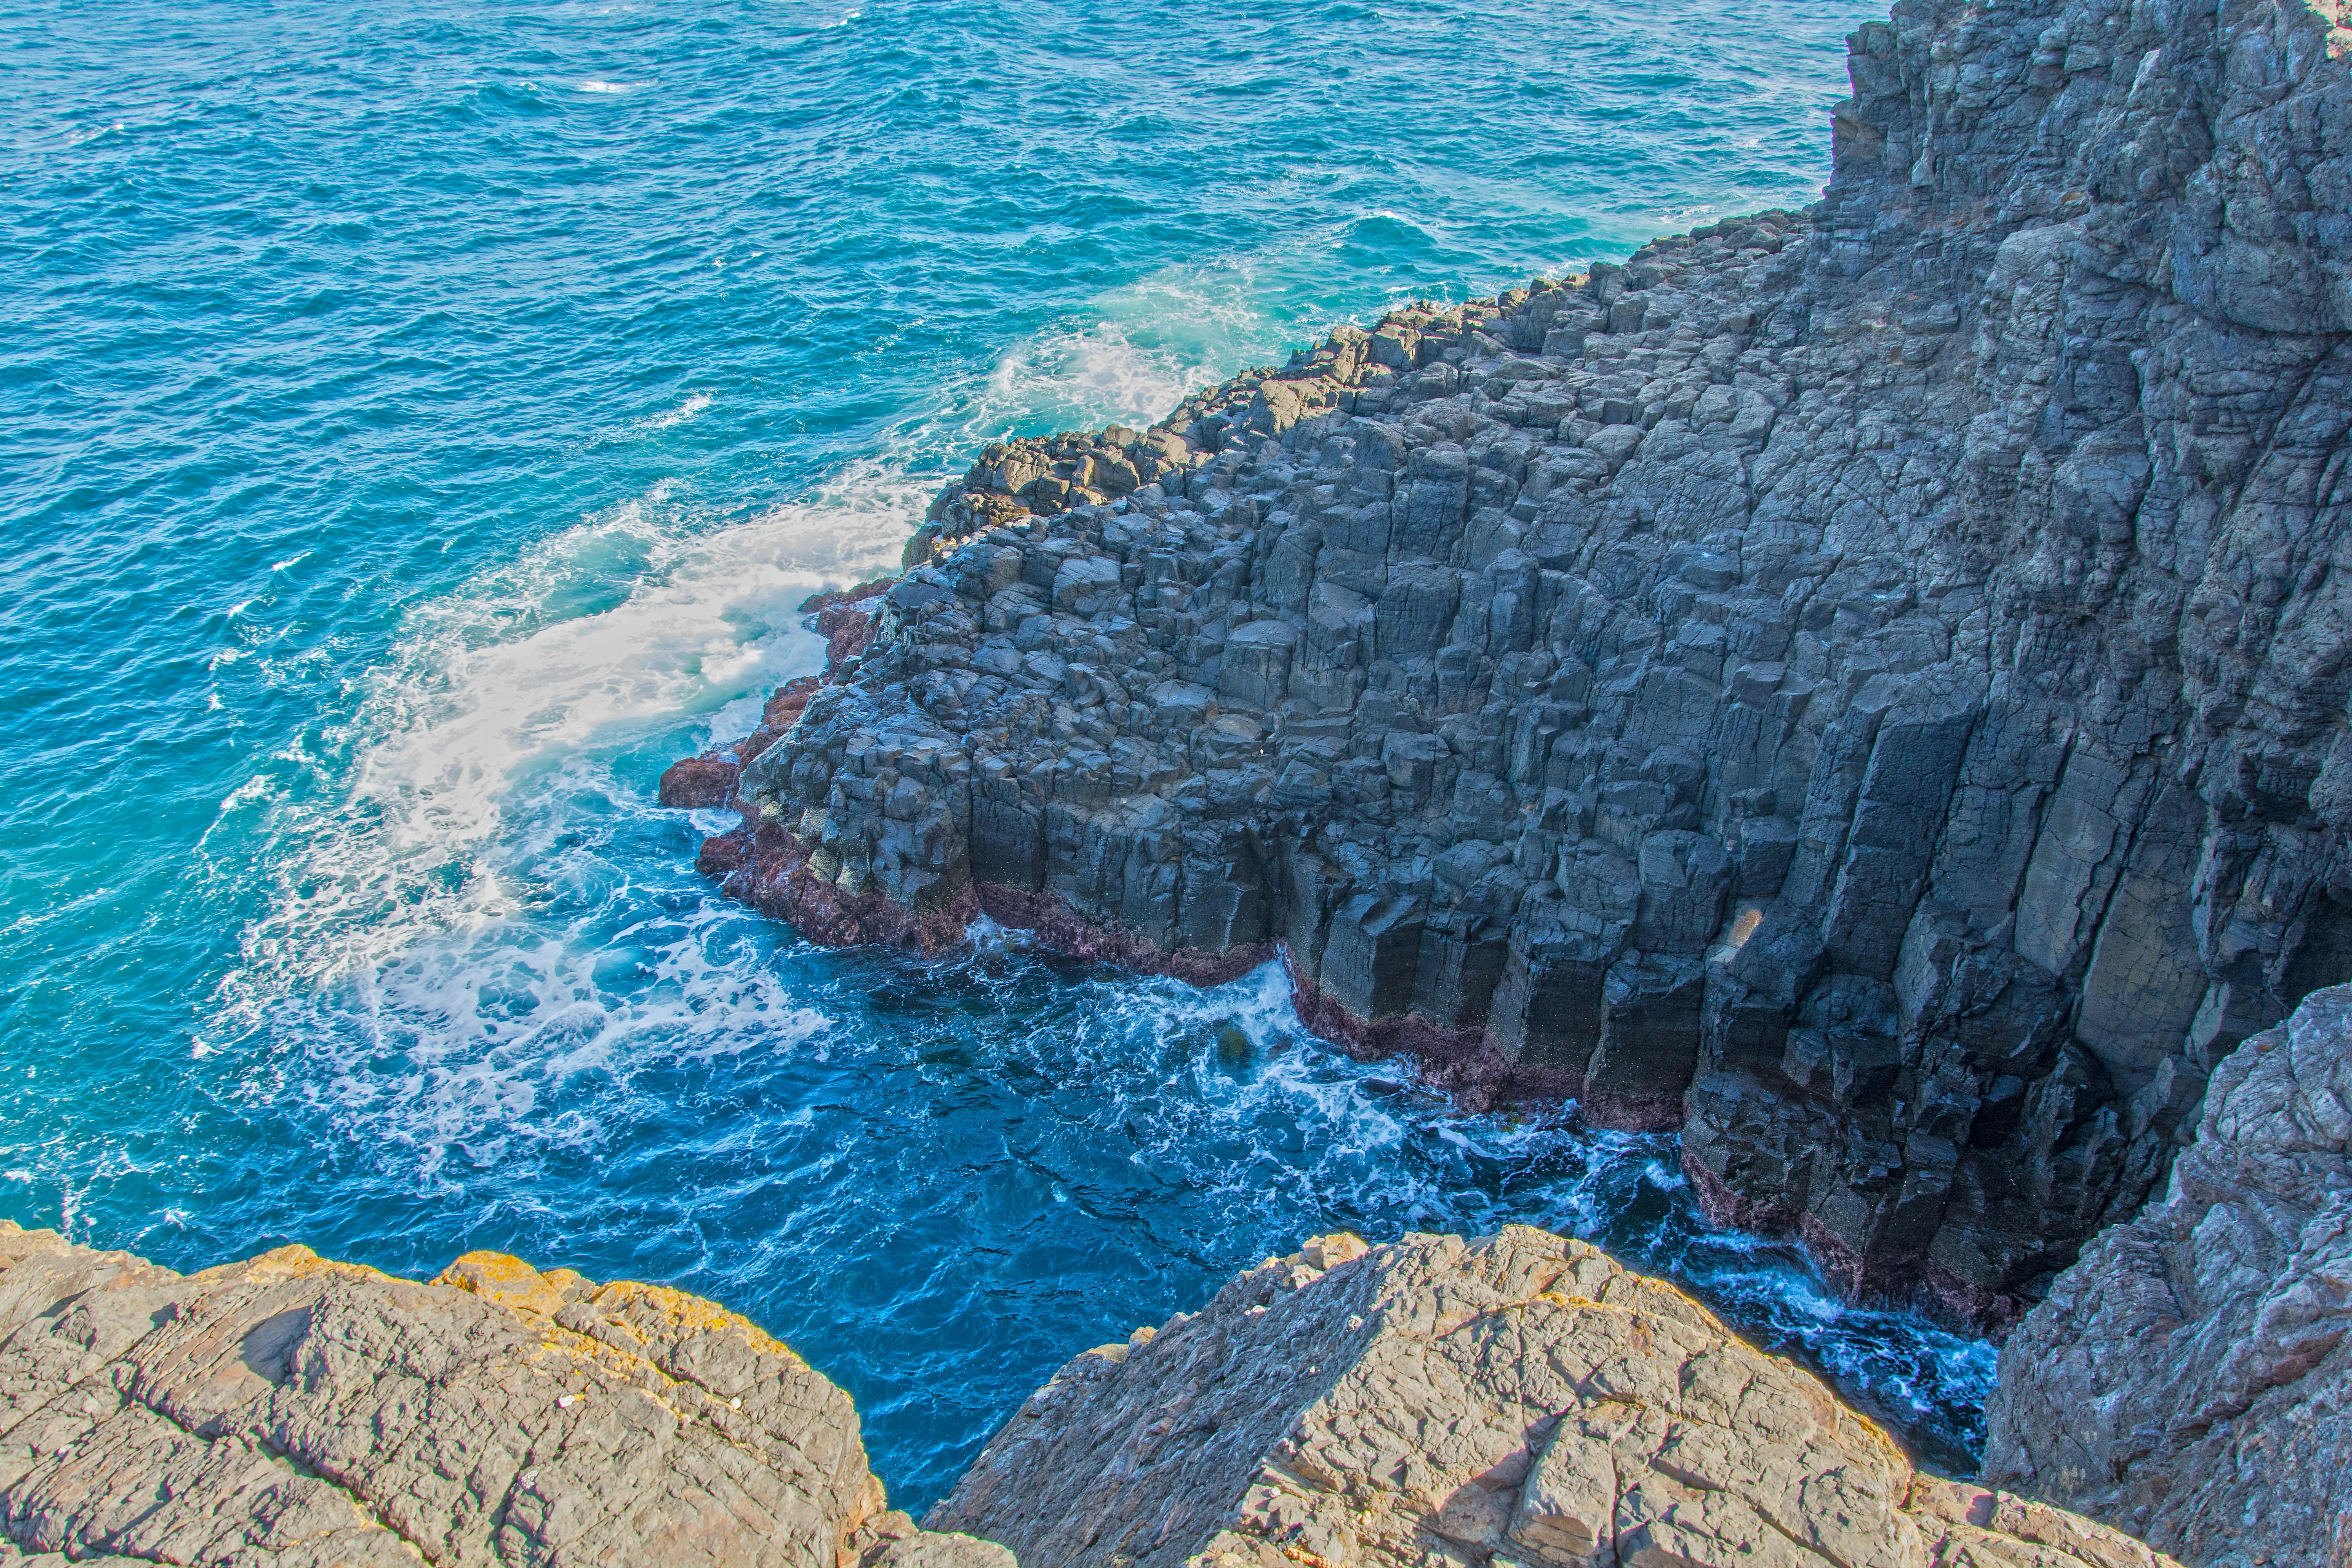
(417, 425)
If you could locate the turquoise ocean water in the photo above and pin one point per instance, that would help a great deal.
(418, 424)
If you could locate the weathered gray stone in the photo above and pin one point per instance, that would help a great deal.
(288, 1410)
(2190, 1378)
(1516, 1400)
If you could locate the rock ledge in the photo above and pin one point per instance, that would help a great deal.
(1520, 1400)
(297, 1413)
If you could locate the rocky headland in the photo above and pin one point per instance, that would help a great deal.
(1864, 687)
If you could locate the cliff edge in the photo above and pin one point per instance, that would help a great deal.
(1866, 686)
(2189, 1377)
(292, 1412)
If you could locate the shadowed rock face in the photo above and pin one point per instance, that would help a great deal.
(2189, 1377)
(1867, 687)
(1518, 1400)
(291, 1411)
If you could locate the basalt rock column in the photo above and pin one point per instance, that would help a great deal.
(1867, 686)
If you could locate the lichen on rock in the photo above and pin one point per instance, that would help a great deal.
(290, 1412)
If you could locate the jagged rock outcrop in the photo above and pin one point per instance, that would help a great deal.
(1867, 687)
(292, 1411)
(2189, 1377)
(1516, 1400)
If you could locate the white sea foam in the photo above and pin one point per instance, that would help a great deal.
(399, 827)
(692, 407)
(1134, 354)
(259, 787)
(1096, 369)
(479, 1032)
(678, 415)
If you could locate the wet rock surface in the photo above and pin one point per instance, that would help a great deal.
(1865, 686)
(289, 1410)
(2189, 1378)
(1519, 1399)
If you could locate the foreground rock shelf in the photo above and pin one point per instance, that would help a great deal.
(293, 1411)
(1866, 687)
(1519, 1399)
(1517, 1402)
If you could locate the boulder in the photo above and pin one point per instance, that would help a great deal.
(692, 782)
(1520, 1400)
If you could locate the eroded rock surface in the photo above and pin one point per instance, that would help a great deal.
(1520, 1399)
(1866, 685)
(2190, 1376)
(292, 1411)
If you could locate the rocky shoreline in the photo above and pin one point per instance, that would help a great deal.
(1867, 688)
(1864, 687)
(1518, 1401)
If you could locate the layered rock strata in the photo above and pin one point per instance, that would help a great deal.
(292, 1411)
(1518, 1400)
(2189, 1377)
(1867, 687)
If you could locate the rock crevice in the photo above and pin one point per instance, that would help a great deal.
(2189, 1377)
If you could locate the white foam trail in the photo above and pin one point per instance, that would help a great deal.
(484, 1030)
(1140, 352)
(1095, 369)
(611, 627)
(678, 415)
(416, 841)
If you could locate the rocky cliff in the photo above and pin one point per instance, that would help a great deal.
(290, 1412)
(1867, 687)
(1520, 1400)
(2189, 1377)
